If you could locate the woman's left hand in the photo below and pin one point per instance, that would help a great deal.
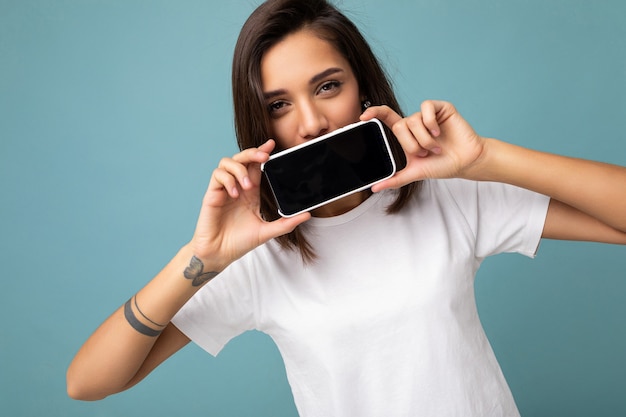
(437, 142)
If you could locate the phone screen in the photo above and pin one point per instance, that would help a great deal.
(325, 169)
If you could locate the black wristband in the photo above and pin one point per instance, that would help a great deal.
(136, 324)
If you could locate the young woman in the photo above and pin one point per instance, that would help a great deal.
(370, 298)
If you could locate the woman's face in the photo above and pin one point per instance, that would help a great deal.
(309, 89)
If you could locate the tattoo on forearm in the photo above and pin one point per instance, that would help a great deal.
(195, 273)
(136, 324)
(146, 317)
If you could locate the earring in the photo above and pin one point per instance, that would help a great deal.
(365, 104)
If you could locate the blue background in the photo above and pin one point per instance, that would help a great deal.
(114, 113)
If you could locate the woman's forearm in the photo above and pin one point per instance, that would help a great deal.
(595, 188)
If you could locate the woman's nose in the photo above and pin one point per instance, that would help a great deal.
(312, 123)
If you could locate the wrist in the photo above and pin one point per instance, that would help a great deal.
(155, 304)
(211, 258)
(483, 168)
(198, 273)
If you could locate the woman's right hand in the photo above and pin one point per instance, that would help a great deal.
(230, 223)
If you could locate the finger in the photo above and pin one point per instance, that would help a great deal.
(408, 141)
(255, 155)
(254, 170)
(254, 174)
(429, 110)
(383, 113)
(268, 146)
(251, 155)
(424, 137)
(237, 170)
(222, 179)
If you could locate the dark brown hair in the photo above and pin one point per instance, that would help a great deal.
(268, 25)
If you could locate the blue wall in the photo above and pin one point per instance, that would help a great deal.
(114, 113)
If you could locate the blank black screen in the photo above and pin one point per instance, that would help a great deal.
(329, 168)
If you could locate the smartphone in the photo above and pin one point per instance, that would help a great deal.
(330, 167)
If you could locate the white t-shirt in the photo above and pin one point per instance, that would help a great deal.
(384, 323)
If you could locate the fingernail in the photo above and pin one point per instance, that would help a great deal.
(246, 182)
(436, 151)
(434, 132)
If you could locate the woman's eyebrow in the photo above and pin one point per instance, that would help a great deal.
(271, 94)
(324, 74)
(314, 80)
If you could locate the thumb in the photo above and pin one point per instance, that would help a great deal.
(282, 226)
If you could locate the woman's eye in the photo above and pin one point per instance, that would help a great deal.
(329, 86)
(276, 106)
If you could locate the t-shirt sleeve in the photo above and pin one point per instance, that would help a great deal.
(219, 311)
(504, 218)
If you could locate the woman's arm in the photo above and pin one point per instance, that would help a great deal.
(117, 355)
(588, 198)
(129, 344)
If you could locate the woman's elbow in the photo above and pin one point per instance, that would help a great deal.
(76, 392)
(77, 389)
